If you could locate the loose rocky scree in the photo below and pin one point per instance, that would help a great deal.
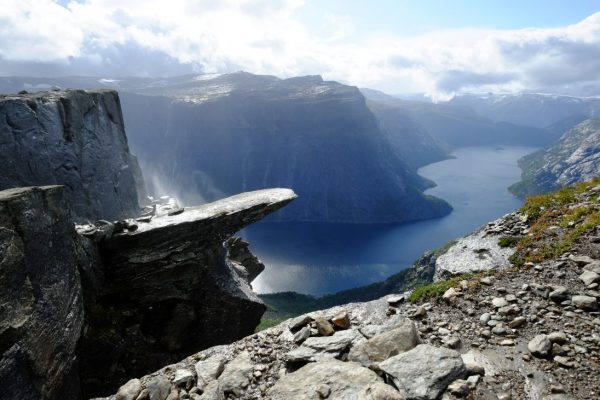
(527, 332)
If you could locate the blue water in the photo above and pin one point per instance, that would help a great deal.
(318, 258)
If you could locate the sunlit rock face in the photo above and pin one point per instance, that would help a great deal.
(203, 139)
(574, 158)
(73, 138)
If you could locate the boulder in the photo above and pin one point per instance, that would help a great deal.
(209, 370)
(585, 302)
(540, 346)
(325, 347)
(236, 375)
(343, 380)
(40, 294)
(386, 344)
(425, 371)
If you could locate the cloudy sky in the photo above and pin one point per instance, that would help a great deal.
(399, 46)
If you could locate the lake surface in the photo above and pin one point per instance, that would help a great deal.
(319, 258)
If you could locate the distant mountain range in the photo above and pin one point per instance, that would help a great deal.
(529, 109)
(456, 125)
(351, 155)
(205, 137)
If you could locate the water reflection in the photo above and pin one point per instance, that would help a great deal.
(320, 258)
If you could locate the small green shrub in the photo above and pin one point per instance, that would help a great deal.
(431, 290)
(268, 323)
(508, 241)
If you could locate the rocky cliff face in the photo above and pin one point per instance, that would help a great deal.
(243, 132)
(574, 158)
(525, 332)
(124, 298)
(72, 138)
(174, 285)
(41, 303)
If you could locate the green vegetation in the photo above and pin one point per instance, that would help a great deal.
(268, 323)
(432, 290)
(508, 241)
(557, 226)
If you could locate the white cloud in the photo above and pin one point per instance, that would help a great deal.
(265, 36)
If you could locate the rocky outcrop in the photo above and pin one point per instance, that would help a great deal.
(481, 250)
(171, 286)
(41, 305)
(574, 158)
(73, 138)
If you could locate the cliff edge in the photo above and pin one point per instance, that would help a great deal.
(73, 138)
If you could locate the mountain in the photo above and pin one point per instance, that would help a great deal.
(457, 125)
(411, 142)
(203, 137)
(574, 158)
(528, 109)
(76, 139)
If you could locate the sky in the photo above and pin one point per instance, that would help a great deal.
(439, 48)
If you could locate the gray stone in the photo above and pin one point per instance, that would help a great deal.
(581, 260)
(130, 390)
(302, 335)
(158, 388)
(345, 380)
(517, 322)
(325, 347)
(425, 371)
(210, 369)
(386, 344)
(237, 374)
(559, 294)
(585, 302)
(459, 388)
(324, 327)
(499, 302)
(476, 252)
(212, 392)
(540, 346)
(341, 320)
(589, 277)
(558, 337)
(299, 322)
(183, 377)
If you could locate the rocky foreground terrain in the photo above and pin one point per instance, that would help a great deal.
(528, 330)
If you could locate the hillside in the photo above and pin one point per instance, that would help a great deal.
(574, 158)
